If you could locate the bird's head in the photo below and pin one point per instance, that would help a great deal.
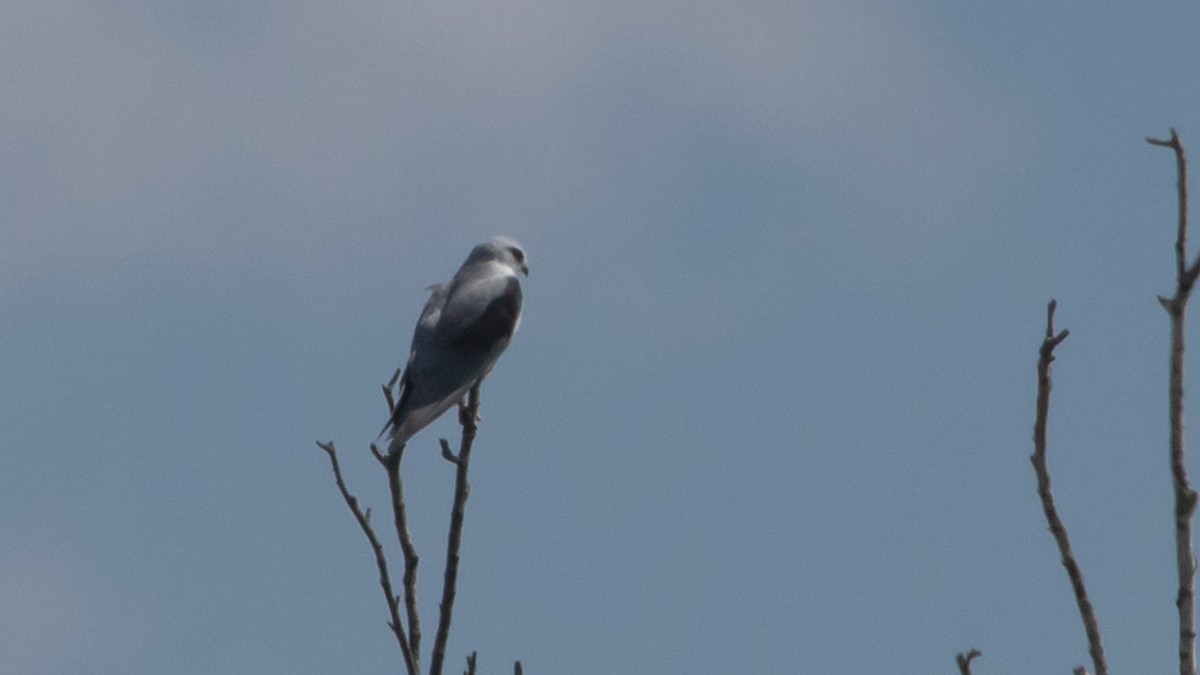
(504, 251)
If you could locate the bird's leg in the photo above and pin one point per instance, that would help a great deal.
(464, 413)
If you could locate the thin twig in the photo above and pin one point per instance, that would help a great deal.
(387, 392)
(385, 581)
(1185, 496)
(461, 489)
(1186, 277)
(1090, 625)
(391, 463)
(470, 665)
(964, 661)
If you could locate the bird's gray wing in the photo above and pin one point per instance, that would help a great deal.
(474, 325)
(423, 335)
(426, 328)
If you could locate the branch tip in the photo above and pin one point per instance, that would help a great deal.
(1172, 142)
(964, 661)
(1054, 523)
(387, 392)
(1051, 341)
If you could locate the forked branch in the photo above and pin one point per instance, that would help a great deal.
(1059, 531)
(964, 661)
(385, 580)
(410, 640)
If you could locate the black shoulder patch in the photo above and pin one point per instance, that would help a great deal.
(495, 325)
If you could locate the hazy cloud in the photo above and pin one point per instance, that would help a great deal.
(290, 128)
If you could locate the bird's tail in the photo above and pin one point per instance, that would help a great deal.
(386, 427)
(396, 442)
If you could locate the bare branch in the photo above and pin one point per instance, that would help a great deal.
(964, 661)
(387, 392)
(1057, 528)
(1185, 496)
(385, 581)
(462, 488)
(1186, 276)
(411, 559)
(517, 670)
(410, 642)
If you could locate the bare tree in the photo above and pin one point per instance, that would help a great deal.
(1186, 275)
(409, 638)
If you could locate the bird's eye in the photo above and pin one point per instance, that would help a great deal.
(517, 253)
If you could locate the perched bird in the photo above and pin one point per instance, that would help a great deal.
(465, 326)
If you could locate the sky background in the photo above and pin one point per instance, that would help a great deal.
(770, 406)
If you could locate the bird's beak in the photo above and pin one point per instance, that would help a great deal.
(524, 269)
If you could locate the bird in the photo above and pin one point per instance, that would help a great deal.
(466, 325)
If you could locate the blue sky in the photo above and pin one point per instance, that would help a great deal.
(770, 407)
